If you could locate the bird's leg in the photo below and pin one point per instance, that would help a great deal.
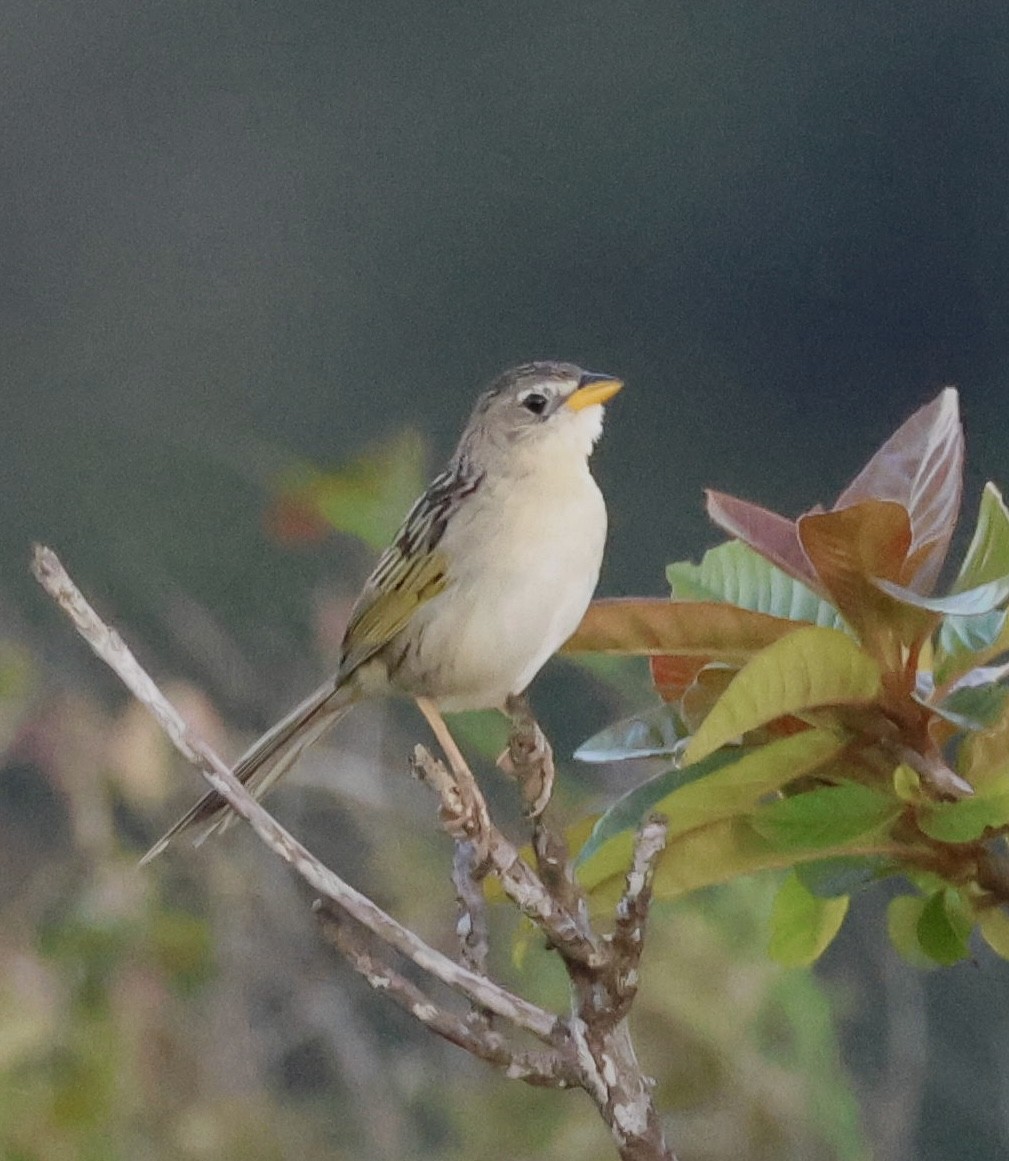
(472, 818)
(528, 758)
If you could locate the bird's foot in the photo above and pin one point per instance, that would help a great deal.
(528, 758)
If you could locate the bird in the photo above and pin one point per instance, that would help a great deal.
(489, 574)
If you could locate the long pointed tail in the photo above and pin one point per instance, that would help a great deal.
(267, 760)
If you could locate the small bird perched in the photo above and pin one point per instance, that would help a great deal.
(488, 576)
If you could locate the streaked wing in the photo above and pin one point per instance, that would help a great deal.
(411, 571)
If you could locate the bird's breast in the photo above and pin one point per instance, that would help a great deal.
(523, 560)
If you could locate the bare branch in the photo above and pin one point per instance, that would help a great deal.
(551, 1068)
(472, 929)
(110, 647)
(592, 1049)
(519, 880)
(628, 936)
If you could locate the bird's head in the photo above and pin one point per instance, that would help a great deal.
(542, 408)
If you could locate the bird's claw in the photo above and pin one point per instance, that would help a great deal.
(529, 759)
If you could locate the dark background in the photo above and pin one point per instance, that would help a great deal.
(233, 232)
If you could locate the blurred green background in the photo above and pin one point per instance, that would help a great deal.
(240, 240)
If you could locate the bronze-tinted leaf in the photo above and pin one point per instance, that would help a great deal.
(653, 626)
(919, 467)
(850, 549)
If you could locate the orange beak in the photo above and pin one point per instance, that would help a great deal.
(593, 389)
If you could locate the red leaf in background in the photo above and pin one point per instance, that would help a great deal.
(921, 467)
(291, 520)
(672, 675)
(773, 536)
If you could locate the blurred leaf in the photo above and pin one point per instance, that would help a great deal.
(906, 783)
(976, 706)
(842, 875)
(672, 675)
(962, 637)
(656, 626)
(987, 556)
(826, 816)
(803, 925)
(735, 573)
(993, 924)
(902, 917)
(984, 756)
(810, 667)
(943, 927)
(771, 535)
(851, 550)
(180, 944)
(652, 733)
(920, 467)
(17, 670)
(367, 497)
(966, 820)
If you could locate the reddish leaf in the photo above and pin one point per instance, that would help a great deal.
(920, 467)
(652, 626)
(672, 675)
(852, 547)
(291, 520)
(770, 534)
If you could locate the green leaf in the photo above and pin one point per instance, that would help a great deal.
(653, 733)
(808, 668)
(826, 816)
(986, 560)
(983, 759)
(987, 556)
(842, 875)
(977, 706)
(729, 782)
(735, 573)
(906, 783)
(993, 924)
(367, 497)
(943, 927)
(966, 820)
(902, 917)
(803, 925)
(628, 811)
(723, 851)
(961, 637)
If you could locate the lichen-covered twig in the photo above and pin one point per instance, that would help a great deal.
(590, 1049)
(550, 1068)
(519, 881)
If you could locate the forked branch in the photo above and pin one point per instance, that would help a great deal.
(591, 1047)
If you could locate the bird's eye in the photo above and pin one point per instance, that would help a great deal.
(535, 403)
